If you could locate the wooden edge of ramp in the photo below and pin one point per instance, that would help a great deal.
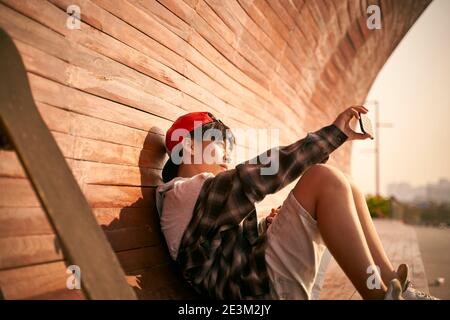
(84, 243)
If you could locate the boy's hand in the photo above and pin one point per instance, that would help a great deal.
(272, 215)
(343, 122)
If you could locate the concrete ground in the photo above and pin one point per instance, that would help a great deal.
(434, 244)
(401, 244)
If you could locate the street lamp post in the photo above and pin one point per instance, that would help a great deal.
(378, 125)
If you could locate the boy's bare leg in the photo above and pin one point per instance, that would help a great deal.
(373, 240)
(326, 194)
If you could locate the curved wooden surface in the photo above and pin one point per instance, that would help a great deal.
(84, 244)
(109, 91)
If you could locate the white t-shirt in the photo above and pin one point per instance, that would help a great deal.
(175, 201)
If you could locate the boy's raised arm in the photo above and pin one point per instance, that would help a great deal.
(277, 167)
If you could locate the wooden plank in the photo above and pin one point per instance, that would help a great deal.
(79, 57)
(42, 160)
(16, 222)
(132, 238)
(75, 124)
(186, 13)
(292, 51)
(290, 62)
(60, 294)
(48, 281)
(282, 12)
(139, 20)
(10, 165)
(295, 51)
(125, 227)
(118, 218)
(53, 93)
(88, 172)
(137, 248)
(231, 100)
(19, 193)
(143, 19)
(182, 17)
(147, 144)
(90, 40)
(206, 22)
(116, 175)
(79, 148)
(266, 55)
(22, 251)
(118, 196)
(131, 224)
(19, 241)
(106, 78)
(37, 281)
(130, 88)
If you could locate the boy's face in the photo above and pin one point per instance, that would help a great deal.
(212, 156)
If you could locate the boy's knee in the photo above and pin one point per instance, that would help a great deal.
(317, 181)
(326, 177)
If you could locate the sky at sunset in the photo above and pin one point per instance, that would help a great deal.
(413, 89)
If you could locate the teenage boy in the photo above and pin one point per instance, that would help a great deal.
(208, 216)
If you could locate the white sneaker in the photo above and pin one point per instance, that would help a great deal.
(408, 290)
(394, 291)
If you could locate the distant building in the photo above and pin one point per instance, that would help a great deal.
(397, 209)
(438, 192)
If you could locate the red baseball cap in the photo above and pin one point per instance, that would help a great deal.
(188, 122)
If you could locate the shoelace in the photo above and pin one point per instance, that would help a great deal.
(409, 286)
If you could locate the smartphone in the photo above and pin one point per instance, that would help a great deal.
(365, 124)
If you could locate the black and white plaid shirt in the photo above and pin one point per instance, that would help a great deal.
(221, 253)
